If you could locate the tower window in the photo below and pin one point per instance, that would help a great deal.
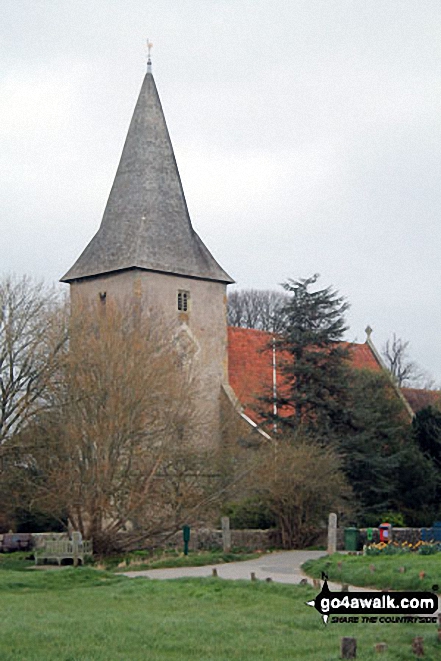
(183, 300)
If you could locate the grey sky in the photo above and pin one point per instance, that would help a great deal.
(307, 134)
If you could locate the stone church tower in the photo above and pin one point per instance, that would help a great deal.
(147, 254)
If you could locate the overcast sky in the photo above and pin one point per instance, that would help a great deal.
(307, 135)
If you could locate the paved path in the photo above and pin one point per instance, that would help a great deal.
(283, 567)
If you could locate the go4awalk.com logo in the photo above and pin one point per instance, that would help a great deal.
(374, 606)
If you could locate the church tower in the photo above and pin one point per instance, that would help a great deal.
(147, 254)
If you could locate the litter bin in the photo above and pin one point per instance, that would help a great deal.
(351, 539)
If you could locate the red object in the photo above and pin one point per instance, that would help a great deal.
(385, 532)
(250, 366)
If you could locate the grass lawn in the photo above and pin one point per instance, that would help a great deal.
(172, 558)
(86, 615)
(381, 571)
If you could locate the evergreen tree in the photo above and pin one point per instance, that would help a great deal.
(426, 428)
(418, 487)
(373, 442)
(313, 360)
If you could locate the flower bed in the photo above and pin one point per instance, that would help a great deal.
(396, 548)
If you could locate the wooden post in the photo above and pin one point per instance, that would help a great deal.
(332, 533)
(226, 533)
(253, 576)
(348, 648)
(76, 539)
(418, 646)
(214, 572)
(380, 647)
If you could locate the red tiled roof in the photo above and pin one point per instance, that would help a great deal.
(420, 399)
(250, 364)
(362, 356)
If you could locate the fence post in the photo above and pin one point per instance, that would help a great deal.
(76, 538)
(226, 533)
(332, 533)
(418, 646)
(348, 648)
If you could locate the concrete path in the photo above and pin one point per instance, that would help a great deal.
(283, 567)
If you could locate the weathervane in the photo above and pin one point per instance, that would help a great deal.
(149, 61)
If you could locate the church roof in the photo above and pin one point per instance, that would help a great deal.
(146, 223)
(250, 370)
(419, 398)
(250, 365)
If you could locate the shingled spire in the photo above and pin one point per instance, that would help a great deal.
(146, 223)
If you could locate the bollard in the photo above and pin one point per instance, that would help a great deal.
(214, 572)
(348, 648)
(269, 580)
(253, 576)
(345, 587)
(418, 646)
(186, 537)
(316, 583)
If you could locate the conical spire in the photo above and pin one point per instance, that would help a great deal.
(146, 222)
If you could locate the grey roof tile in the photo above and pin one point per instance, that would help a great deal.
(146, 223)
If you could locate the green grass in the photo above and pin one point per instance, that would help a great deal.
(139, 560)
(355, 570)
(18, 560)
(86, 615)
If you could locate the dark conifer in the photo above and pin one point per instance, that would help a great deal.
(312, 358)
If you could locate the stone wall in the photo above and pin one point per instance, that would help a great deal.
(203, 539)
(201, 331)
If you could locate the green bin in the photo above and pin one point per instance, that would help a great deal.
(351, 539)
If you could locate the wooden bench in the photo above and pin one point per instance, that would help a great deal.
(64, 549)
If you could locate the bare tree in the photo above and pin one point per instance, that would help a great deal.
(257, 308)
(122, 447)
(32, 333)
(300, 481)
(405, 371)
